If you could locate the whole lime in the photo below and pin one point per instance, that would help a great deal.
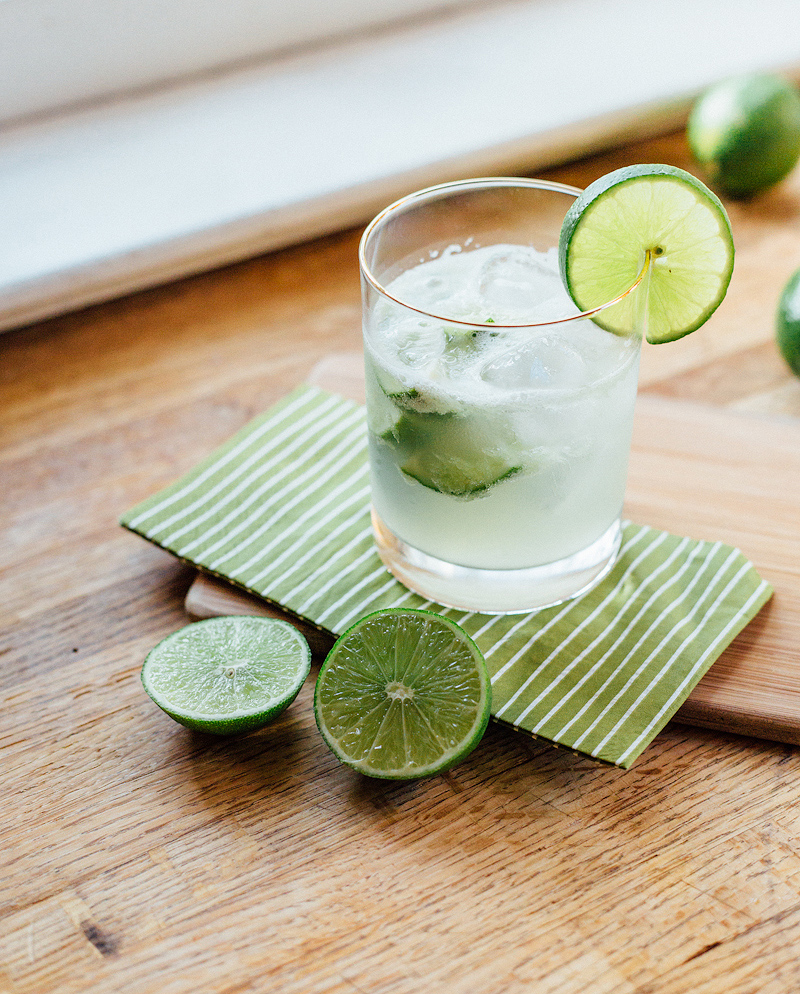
(745, 132)
(787, 323)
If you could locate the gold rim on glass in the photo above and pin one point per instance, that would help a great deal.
(428, 192)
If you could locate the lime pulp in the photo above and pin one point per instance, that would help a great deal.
(403, 694)
(227, 675)
(654, 216)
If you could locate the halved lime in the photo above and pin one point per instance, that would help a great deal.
(639, 212)
(787, 323)
(745, 132)
(403, 694)
(227, 675)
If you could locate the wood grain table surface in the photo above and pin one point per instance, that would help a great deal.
(139, 857)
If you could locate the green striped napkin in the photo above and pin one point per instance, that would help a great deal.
(282, 510)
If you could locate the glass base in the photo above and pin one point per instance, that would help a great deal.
(497, 591)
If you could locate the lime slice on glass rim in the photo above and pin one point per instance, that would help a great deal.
(227, 675)
(654, 221)
(403, 694)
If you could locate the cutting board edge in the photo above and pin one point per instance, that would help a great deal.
(768, 727)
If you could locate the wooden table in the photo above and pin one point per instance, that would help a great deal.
(139, 857)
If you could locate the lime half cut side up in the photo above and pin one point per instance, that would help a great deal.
(654, 216)
(403, 694)
(227, 675)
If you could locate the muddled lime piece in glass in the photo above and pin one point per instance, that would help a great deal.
(450, 454)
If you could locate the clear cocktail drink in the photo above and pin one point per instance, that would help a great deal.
(499, 418)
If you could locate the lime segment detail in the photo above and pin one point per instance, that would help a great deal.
(403, 694)
(227, 675)
(642, 213)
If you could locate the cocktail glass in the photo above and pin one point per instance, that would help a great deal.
(499, 416)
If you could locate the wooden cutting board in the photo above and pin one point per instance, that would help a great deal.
(699, 471)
